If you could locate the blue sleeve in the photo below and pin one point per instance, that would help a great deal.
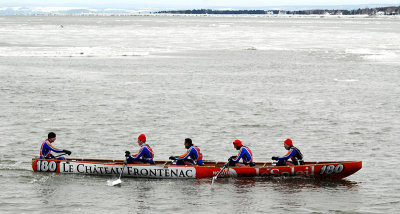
(141, 153)
(187, 155)
(288, 155)
(239, 156)
(54, 149)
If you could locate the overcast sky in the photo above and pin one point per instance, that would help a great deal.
(187, 3)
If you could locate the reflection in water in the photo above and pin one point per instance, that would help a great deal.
(174, 195)
(41, 185)
(281, 192)
(141, 205)
(143, 193)
(293, 184)
(286, 184)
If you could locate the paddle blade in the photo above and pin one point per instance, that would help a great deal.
(114, 183)
(213, 180)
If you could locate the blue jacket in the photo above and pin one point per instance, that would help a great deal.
(145, 154)
(294, 154)
(46, 148)
(245, 154)
(193, 153)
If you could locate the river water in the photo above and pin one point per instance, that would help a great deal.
(329, 83)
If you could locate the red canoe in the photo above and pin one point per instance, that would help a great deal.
(166, 169)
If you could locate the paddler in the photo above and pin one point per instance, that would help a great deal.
(294, 154)
(193, 156)
(244, 153)
(47, 147)
(145, 154)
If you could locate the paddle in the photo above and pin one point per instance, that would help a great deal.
(118, 181)
(215, 177)
(60, 155)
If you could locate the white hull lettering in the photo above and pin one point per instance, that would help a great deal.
(330, 169)
(46, 166)
(307, 171)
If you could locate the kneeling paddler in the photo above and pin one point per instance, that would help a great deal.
(244, 153)
(294, 155)
(47, 147)
(145, 154)
(193, 156)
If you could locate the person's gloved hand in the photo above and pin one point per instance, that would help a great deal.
(172, 158)
(232, 157)
(127, 153)
(67, 152)
(275, 158)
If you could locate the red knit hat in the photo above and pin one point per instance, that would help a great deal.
(237, 143)
(142, 137)
(289, 142)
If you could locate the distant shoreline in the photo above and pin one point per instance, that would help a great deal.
(71, 11)
(288, 16)
(389, 11)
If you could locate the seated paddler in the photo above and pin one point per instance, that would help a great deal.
(145, 154)
(47, 148)
(294, 154)
(244, 154)
(193, 156)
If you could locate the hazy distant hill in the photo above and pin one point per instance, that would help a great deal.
(65, 11)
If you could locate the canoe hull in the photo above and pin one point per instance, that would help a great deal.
(319, 170)
(329, 170)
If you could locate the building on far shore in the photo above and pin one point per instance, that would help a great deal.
(380, 13)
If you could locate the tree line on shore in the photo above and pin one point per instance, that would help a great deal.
(365, 11)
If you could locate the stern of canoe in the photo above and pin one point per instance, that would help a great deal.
(337, 170)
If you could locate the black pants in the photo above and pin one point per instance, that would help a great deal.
(231, 163)
(140, 161)
(283, 163)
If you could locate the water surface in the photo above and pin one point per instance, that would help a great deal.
(330, 84)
